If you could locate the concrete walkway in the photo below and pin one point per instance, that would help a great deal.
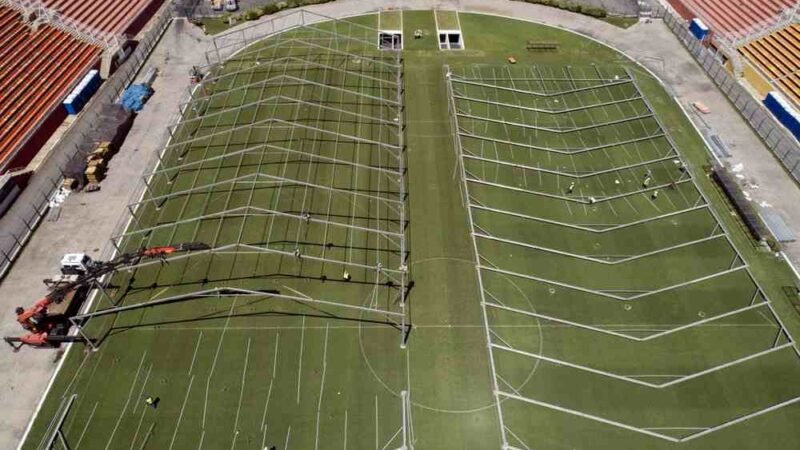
(86, 223)
(88, 219)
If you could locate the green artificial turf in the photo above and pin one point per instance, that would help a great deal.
(391, 20)
(447, 20)
(213, 25)
(253, 372)
(622, 22)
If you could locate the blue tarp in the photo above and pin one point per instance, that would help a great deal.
(134, 97)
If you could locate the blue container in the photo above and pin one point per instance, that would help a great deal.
(82, 92)
(784, 112)
(698, 29)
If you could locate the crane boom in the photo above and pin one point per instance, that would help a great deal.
(35, 319)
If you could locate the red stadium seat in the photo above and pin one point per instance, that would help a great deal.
(38, 68)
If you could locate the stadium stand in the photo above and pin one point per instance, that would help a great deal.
(40, 64)
(114, 17)
(733, 18)
(777, 58)
(37, 69)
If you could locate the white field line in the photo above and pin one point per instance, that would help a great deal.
(196, 347)
(580, 200)
(241, 395)
(138, 427)
(391, 439)
(180, 415)
(141, 391)
(214, 363)
(202, 438)
(605, 293)
(345, 430)
(598, 260)
(455, 78)
(517, 438)
(271, 380)
(127, 402)
(681, 379)
(657, 335)
(606, 228)
(288, 433)
(562, 151)
(300, 358)
(574, 174)
(508, 123)
(542, 110)
(588, 416)
(321, 388)
(86, 426)
(275, 355)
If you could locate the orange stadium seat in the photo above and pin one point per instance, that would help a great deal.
(778, 57)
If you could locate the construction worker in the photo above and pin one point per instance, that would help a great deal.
(151, 401)
(32, 319)
(346, 275)
(571, 188)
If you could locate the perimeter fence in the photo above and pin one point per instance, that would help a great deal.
(778, 139)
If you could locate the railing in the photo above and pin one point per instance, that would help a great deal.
(777, 139)
(22, 218)
(764, 28)
(41, 14)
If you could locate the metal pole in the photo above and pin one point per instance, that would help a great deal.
(79, 329)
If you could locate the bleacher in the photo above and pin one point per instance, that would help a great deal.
(38, 67)
(110, 16)
(778, 58)
(732, 18)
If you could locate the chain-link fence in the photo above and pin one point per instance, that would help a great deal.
(777, 138)
(18, 223)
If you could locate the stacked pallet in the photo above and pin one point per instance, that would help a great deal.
(100, 142)
(97, 162)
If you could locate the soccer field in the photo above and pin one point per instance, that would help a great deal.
(573, 277)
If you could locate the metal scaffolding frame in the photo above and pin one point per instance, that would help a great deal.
(314, 90)
(759, 303)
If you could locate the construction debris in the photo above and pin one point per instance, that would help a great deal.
(90, 163)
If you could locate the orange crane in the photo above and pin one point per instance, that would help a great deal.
(49, 328)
